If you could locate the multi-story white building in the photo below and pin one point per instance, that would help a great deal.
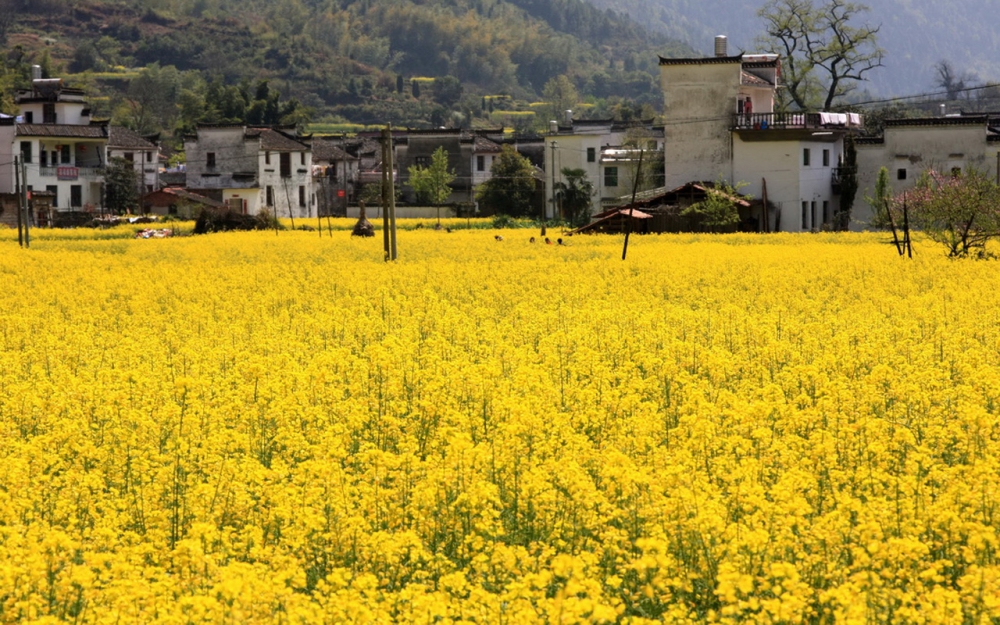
(252, 169)
(63, 152)
(720, 125)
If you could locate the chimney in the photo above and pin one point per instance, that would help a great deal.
(569, 117)
(720, 45)
(36, 72)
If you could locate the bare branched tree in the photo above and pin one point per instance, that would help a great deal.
(823, 54)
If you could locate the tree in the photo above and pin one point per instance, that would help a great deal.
(447, 91)
(823, 55)
(511, 187)
(575, 195)
(848, 175)
(879, 201)
(561, 95)
(152, 98)
(121, 186)
(718, 209)
(432, 183)
(960, 211)
(950, 80)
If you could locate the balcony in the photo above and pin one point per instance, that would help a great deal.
(72, 173)
(795, 121)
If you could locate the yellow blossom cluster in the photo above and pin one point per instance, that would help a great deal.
(259, 428)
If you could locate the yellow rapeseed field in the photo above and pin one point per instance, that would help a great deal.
(261, 428)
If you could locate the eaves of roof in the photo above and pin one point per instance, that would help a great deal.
(62, 130)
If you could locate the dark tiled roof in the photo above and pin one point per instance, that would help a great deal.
(327, 150)
(62, 130)
(125, 139)
(191, 197)
(708, 60)
(275, 140)
(761, 64)
(965, 120)
(869, 140)
(484, 145)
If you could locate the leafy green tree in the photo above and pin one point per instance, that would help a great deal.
(823, 54)
(561, 95)
(511, 187)
(432, 183)
(960, 211)
(121, 186)
(879, 201)
(575, 195)
(719, 208)
(447, 91)
(848, 174)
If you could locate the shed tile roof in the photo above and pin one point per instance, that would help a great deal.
(62, 130)
(749, 79)
(708, 60)
(275, 141)
(122, 138)
(482, 145)
(329, 150)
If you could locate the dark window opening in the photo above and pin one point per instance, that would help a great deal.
(480, 163)
(805, 157)
(49, 113)
(269, 196)
(130, 157)
(826, 158)
(591, 155)
(76, 196)
(29, 118)
(302, 158)
(901, 173)
(65, 154)
(26, 151)
(286, 164)
(611, 176)
(54, 190)
(302, 196)
(210, 159)
(267, 158)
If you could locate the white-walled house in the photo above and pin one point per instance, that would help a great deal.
(63, 152)
(720, 125)
(143, 154)
(252, 169)
(910, 147)
(595, 146)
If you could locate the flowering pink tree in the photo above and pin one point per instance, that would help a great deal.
(960, 211)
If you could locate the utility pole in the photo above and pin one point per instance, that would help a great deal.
(392, 192)
(20, 210)
(385, 192)
(24, 202)
(553, 161)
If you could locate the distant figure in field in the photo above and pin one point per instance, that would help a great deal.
(559, 241)
(498, 238)
(548, 241)
(531, 240)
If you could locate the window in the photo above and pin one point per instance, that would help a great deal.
(480, 163)
(49, 113)
(267, 158)
(591, 155)
(302, 196)
(76, 196)
(826, 212)
(805, 157)
(423, 161)
(956, 172)
(26, 151)
(43, 158)
(812, 215)
(805, 213)
(302, 158)
(269, 196)
(611, 176)
(826, 158)
(65, 154)
(29, 118)
(901, 173)
(172, 209)
(286, 164)
(149, 157)
(54, 190)
(130, 157)
(210, 160)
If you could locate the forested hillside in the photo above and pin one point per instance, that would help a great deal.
(916, 34)
(365, 61)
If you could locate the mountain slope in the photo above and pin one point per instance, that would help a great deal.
(916, 34)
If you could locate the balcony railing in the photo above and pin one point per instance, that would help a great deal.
(795, 121)
(71, 173)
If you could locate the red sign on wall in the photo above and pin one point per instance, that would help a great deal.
(67, 173)
(340, 193)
